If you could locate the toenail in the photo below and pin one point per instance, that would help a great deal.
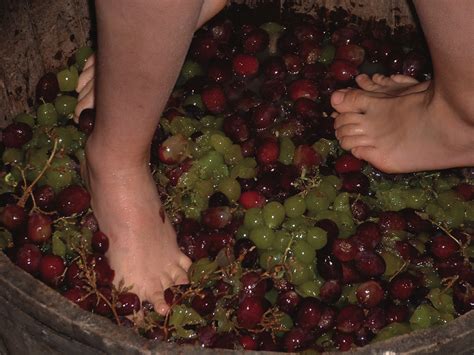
(338, 97)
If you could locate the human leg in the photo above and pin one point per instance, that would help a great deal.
(142, 45)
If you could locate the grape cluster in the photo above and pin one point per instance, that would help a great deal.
(295, 243)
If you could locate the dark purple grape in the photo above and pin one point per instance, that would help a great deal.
(16, 134)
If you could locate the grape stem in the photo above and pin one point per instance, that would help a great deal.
(29, 190)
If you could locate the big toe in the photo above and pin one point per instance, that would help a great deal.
(351, 100)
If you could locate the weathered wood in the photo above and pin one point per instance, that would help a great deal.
(35, 319)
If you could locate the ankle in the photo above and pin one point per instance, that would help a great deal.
(101, 157)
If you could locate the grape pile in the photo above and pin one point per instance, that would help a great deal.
(295, 243)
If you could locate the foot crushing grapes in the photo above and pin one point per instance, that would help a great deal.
(136, 68)
(399, 125)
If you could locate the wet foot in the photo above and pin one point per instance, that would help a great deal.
(415, 131)
(143, 249)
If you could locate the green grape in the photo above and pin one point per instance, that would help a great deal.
(219, 123)
(253, 218)
(80, 154)
(446, 183)
(296, 223)
(273, 214)
(194, 100)
(81, 55)
(57, 179)
(190, 69)
(295, 206)
(68, 79)
(220, 143)
(310, 288)
(230, 187)
(415, 198)
(454, 215)
(272, 28)
(393, 263)
(269, 259)
(325, 147)
(327, 54)
(64, 138)
(204, 188)
(469, 212)
(316, 237)
(299, 273)
(37, 158)
(12, 156)
(188, 179)
(424, 316)
(435, 211)
(287, 151)
(431, 278)
(316, 201)
(447, 198)
(286, 323)
(14, 177)
(221, 171)
(192, 212)
(327, 189)
(263, 237)
(65, 105)
(332, 180)
(209, 163)
(341, 203)
(282, 241)
(183, 125)
(47, 115)
(208, 121)
(303, 251)
(441, 301)
(272, 296)
(242, 232)
(392, 330)
(243, 172)
(25, 118)
(233, 155)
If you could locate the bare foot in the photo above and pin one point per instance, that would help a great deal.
(143, 249)
(413, 132)
(394, 85)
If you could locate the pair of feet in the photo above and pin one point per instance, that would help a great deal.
(395, 123)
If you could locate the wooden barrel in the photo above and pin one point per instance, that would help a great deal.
(37, 36)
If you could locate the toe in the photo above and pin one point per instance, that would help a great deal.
(347, 118)
(185, 263)
(351, 142)
(350, 101)
(86, 102)
(86, 76)
(381, 80)
(350, 130)
(404, 79)
(86, 90)
(365, 83)
(89, 62)
(160, 304)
